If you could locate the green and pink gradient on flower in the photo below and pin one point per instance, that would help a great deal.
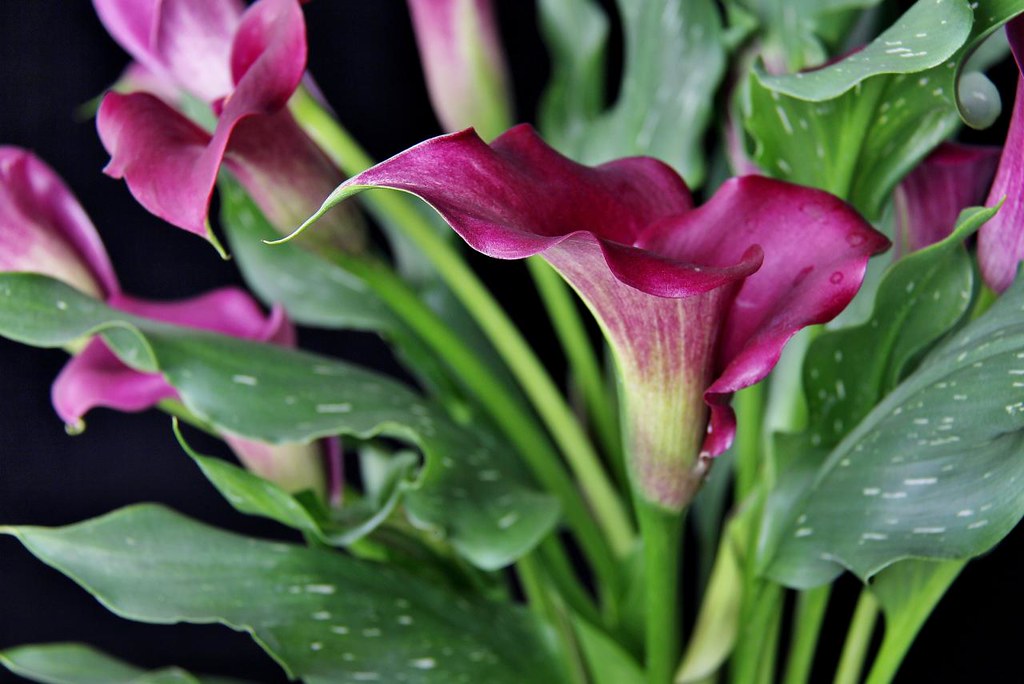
(696, 302)
(244, 64)
(43, 229)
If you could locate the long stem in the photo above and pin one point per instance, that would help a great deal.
(572, 333)
(662, 540)
(810, 613)
(749, 404)
(517, 425)
(545, 604)
(858, 639)
(503, 334)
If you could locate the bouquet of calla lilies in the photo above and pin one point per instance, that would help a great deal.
(785, 296)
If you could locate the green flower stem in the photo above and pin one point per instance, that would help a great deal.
(901, 629)
(754, 657)
(662, 534)
(506, 338)
(545, 606)
(514, 421)
(572, 333)
(559, 568)
(807, 619)
(749, 404)
(858, 639)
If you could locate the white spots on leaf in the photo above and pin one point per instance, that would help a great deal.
(62, 305)
(894, 495)
(371, 632)
(366, 676)
(404, 620)
(339, 629)
(424, 663)
(965, 513)
(784, 166)
(784, 118)
(321, 615)
(508, 520)
(840, 389)
(315, 646)
(838, 356)
(872, 491)
(874, 536)
(324, 589)
(976, 525)
(928, 530)
(488, 475)
(334, 408)
(244, 380)
(959, 397)
(920, 481)
(803, 532)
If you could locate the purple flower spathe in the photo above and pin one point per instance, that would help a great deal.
(928, 201)
(696, 303)
(253, 66)
(1001, 239)
(43, 229)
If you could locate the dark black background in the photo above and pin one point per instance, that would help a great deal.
(54, 56)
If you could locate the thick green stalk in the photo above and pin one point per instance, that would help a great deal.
(754, 657)
(492, 319)
(749, 405)
(572, 333)
(545, 604)
(807, 619)
(858, 639)
(662, 533)
(515, 423)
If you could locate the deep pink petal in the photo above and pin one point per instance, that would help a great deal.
(165, 158)
(229, 311)
(460, 49)
(96, 377)
(929, 199)
(1001, 239)
(171, 165)
(44, 229)
(696, 303)
(185, 43)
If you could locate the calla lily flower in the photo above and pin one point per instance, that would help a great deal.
(247, 65)
(1001, 239)
(931, 197)
(696, 302)
(463, 63)
(43, 229)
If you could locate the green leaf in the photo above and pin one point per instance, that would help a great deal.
(862, 142)
(934, 471)
(576, 33)
(69, 663)
(313, 291)
(927, 35)
(472, 489)
(656, 94)
(323, 616)
(921, 297)
(252, 495)
(794, 29)
(607, 662)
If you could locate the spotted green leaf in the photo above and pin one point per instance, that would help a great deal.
(322, 616)
(859, 144)
(927, 35)
(252, 495)
(657, 91)
(471, 488)
(935, 471)
(69, 663)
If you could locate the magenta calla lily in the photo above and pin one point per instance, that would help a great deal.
(171, 164)
(186, 42)
(463, 62)
(931, 197)
(696, 303)
(43, 229)
(1001, 239)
